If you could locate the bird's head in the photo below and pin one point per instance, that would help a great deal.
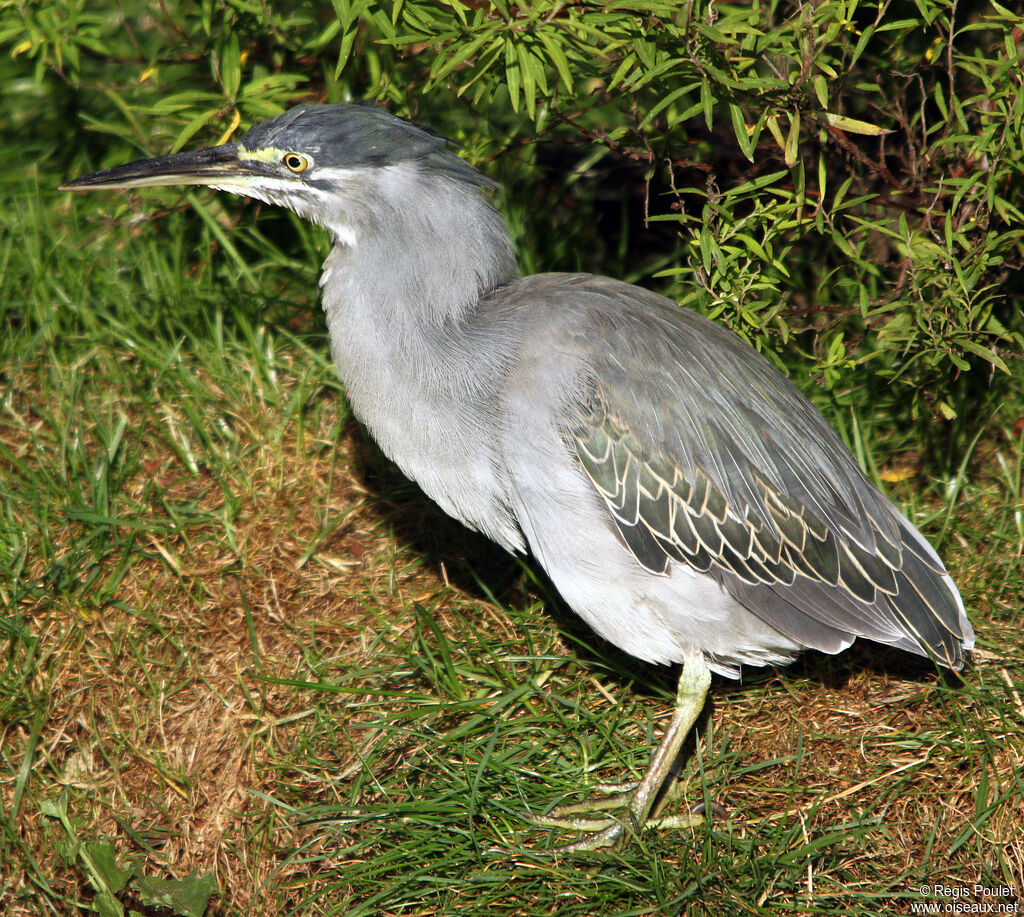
(395, 198)
(321, 161)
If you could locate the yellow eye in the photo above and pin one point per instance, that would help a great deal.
(296, 162)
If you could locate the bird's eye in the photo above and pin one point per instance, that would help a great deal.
(296, 162)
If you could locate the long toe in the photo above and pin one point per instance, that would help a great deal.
(619, 797)
(567, 822)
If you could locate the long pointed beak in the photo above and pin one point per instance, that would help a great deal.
(211, 166)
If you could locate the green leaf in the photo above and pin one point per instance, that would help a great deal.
(821, 90)
(532, 73)
(739, 126)
(348, 11)
(444, 65)
(622, 71)
(231, 68)
(853, 126)
(669, 99)
(558, 59)
(707, 102)
(55, 808)
(186, 897)
(792, 150)
(898, 24)
(988, 355)
(104, 861)
(344, 52)
(106, 905)
(513, 78)
(193, 127)
(755, 184)
(865, 38)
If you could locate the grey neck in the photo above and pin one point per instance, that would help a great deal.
(423, 354)
(422, 250)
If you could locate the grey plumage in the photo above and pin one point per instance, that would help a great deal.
(705, 472)
(365, 137)
(686, 500)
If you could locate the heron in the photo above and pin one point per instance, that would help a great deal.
(685, 499)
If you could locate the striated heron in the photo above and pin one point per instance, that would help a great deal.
(687, 501)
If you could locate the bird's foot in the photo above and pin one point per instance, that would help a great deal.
(596, 832)
(642, 802)
(607, 831)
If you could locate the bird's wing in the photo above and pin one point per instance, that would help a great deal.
(705, 454)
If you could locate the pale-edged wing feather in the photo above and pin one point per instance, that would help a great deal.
(707, 455)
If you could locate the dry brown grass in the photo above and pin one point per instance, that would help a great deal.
(858, 738)
(159, 711)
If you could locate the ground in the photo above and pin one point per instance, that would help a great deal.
(290, 671)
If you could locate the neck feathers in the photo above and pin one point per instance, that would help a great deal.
(423, 247)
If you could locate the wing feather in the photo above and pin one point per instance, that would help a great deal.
(721, 464)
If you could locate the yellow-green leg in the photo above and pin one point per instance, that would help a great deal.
(639, 801)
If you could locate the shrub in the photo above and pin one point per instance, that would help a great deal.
(833, 178)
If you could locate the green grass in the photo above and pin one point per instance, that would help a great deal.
(236, 642)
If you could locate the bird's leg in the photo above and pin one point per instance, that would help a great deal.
(647, 795)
